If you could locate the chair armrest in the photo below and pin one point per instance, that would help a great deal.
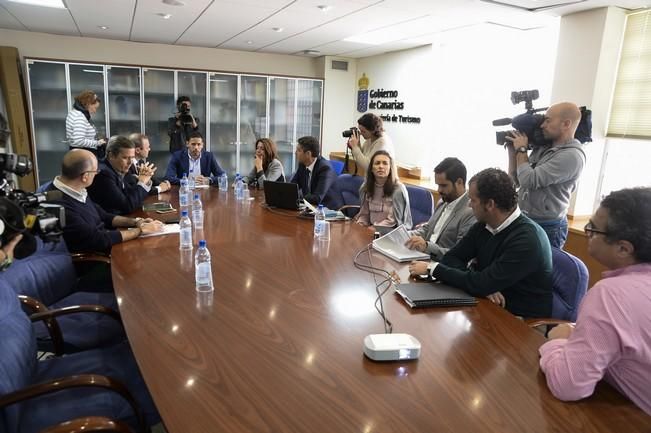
(90, 424)
(79, 381)
(349, 206)
(534, 323)
(90, 257)
(72, 309)
(51, 324)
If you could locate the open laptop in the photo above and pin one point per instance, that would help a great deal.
(283, 195)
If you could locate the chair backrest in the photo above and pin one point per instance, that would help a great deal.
(18, 359)
(345, 190)
(421, 204)
(569, 284)
(337, 166)
(44, 187)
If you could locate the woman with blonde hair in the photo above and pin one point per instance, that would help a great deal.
(80, 131)
(267, 165)
(384, 201)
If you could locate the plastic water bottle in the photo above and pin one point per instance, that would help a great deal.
(319, 221)
(197, 212)
(186, 231)
(238, 187)
(191, 183)
(223, 182)
(203, 269)
(184, 193)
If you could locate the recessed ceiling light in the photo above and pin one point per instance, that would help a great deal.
(164, 16)
(324, 8)
(173, 2)
(277, 29)
(249, 42)
(310, 52)
(103, 27)
(58, 4)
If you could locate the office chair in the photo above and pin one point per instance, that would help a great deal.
(569, 286)
(421, 204)
(337, 166)
(35, 395)
(344, 194)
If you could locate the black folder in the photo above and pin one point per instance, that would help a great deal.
(434, 295)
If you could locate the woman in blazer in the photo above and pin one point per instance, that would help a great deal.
(267, 165)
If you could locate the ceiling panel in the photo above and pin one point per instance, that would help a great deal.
(91, 14)
(8, 21)
(149, 27)
(40, 19)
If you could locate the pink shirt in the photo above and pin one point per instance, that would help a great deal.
(612, 340)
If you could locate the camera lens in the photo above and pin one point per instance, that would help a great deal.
(347, 133)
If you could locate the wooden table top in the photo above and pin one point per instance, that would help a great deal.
(279, 347)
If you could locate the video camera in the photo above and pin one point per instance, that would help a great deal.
(184, 110)
(529, 122)
(25, 212)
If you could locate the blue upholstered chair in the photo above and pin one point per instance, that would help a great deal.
(569, 286)
(35, 395)
(44, 187)
(421, 204)
(344, 192)
(337, 166)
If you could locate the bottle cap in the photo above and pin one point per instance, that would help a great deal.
(184, 213)
(196, 196)
(202, 243)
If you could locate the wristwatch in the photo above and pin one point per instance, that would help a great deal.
(522, 149)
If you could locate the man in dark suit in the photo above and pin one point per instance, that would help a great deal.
(110, 189)
(141, 141)
(314, 175)
(195, 162)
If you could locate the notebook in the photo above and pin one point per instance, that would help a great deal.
(283, 195)
(434, 295)
(393, 246)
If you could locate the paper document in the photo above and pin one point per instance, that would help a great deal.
(168, 229)
(201, 187)
(393, 246)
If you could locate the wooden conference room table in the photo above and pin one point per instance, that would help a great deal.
(279, 346)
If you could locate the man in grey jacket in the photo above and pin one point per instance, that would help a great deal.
(451, 220)
(549, 174)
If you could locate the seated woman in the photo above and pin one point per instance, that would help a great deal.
(267, 164)
(383, 198)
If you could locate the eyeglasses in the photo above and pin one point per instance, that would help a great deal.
(591, 231)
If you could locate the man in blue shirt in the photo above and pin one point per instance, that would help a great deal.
(195, 162)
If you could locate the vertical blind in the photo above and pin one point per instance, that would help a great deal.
(630, 113)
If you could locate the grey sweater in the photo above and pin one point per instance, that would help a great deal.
(273, 173)
(547, 182)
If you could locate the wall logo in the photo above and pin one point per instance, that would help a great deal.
(362, 94)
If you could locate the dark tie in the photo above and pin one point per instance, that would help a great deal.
(309, 180)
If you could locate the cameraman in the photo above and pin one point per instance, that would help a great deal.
(371, 128)
(548, 176)
(182, 124)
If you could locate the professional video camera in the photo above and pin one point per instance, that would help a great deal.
(349, 132)
(24, 212)
(184, 110)
(529, 122)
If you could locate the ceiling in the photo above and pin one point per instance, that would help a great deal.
(296, 27)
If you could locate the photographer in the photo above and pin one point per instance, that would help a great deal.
(371, 128)
(549, 174)
(181, 125)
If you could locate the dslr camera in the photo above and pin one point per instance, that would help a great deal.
(184, 111)
(529, 122)
(349, 132)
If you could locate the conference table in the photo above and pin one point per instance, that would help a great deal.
(278, 347)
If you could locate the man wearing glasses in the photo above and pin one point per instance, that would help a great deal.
(612, 336)
(88, 227)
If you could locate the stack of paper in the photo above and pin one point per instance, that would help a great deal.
(393, 246)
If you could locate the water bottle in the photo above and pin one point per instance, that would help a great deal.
(238, 187)
(186, 231)
(202, 269)
(191, 183)
(197, 213)
(184, 193)
(223, 182)
(319, 221)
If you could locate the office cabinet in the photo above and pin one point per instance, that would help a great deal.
(234, 110)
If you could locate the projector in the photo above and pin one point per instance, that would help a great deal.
(391, 347)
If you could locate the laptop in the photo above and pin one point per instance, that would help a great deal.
(283, 195)
(437, 294)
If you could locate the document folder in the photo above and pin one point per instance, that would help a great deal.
(434, 295)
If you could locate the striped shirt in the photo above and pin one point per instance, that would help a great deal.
(612, 340)
(79, 131)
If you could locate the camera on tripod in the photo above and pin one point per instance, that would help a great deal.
(529, 123)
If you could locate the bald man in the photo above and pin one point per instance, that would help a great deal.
(548, 176)
(88, 227)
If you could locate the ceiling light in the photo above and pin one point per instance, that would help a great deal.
(277, 29)
(249, 42)
(324, 8)
(310, 52)
(58, 4)
(103, 27)
(173, 2)
(164, 16)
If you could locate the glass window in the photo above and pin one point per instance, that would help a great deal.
(193, 85)
(223, 120)
(90, 77)
(282, 120)
(124, 100)
(253, 118)
(159, 107)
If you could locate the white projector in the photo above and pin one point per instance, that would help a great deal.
(391, 347)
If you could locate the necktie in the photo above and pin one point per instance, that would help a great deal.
(309, 180)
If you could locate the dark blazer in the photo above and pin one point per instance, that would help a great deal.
(180, 164)
(133, 177)
(322, 178)
(115, 194)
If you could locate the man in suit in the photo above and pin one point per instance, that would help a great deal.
(195, 162)
(113, 189)
(314, 175)
(141, 141)
(452, 218)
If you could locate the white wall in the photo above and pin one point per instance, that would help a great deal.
(174, 56)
